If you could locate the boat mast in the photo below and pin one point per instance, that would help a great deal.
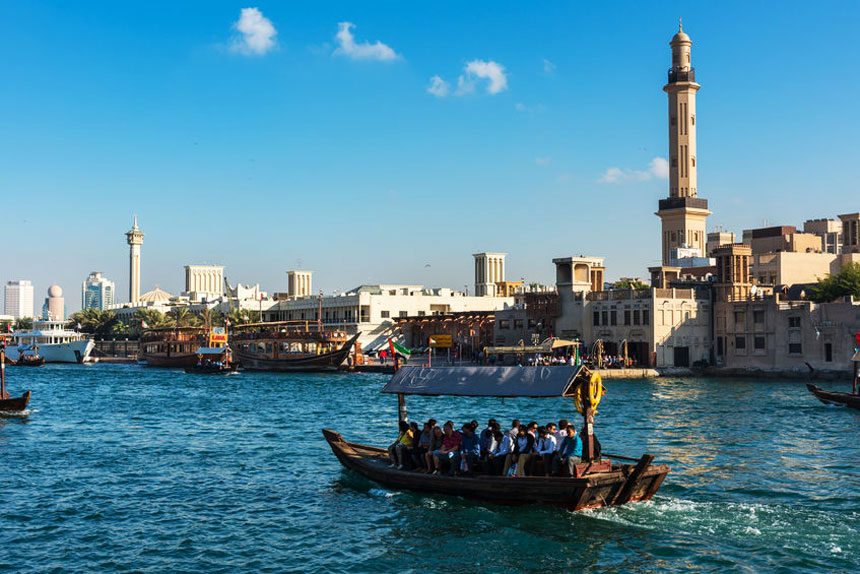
(2, 368)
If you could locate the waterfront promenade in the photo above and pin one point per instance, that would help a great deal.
(120, 468)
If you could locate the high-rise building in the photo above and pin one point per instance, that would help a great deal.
(97, 292)
(18, 299)
(489, 270)
(683, 213)
(134, 238)
(299, 283)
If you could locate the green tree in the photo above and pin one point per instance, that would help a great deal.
(633, 284)
(182, 317)
(23, 324)
(96, 322)
(240, 316)
(832, 287)
(151, 317)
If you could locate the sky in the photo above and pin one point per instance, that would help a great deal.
(388, 141)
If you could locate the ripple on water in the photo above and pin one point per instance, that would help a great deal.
(119, 468)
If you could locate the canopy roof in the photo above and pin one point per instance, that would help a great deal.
(211, 350)
(484, 381)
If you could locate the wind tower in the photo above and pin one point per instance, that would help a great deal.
(134, 238)
(683, 213)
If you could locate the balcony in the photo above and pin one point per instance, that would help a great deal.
(676, 75)
(681, 202)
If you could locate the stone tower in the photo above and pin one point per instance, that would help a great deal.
(134, 238)
(489, 270)
(683, 213)
(733, 272)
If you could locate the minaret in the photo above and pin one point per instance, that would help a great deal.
(683, 213)
(134, 237)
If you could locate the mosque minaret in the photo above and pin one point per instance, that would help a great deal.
(683, 213)
(134, 238)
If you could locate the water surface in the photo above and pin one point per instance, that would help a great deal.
(119, 468)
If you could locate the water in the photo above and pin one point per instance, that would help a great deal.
(124, 469)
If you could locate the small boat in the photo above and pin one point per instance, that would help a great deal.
(290, 346)
(216, 359)
(9, 404)
(29, 357)
(596, 482)
(850, 400)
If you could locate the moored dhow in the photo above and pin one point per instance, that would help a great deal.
(56, 343)
(172, 346)
(290, 346)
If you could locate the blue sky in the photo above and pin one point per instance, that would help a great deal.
(288, 146)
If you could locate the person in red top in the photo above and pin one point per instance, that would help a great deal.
(450, 449)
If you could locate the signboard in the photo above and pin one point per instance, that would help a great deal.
(441, 341)
(218, 336)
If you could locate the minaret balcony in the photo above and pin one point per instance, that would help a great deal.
(681, 75)
(682, 202)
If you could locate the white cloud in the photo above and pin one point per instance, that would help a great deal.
(543, 161)
(493, 72)
(347, 46)
(658, 168)
(548, 67)
(438, 87)
(256, 33)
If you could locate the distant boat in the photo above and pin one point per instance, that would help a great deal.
(850, 400)
(290, 346)
(215, 359)
(172, 346)
(9, 404)
(56, 343)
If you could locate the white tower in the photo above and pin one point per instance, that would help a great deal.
(134, 238)
(489, 270)
(299, 283)
(683, 213)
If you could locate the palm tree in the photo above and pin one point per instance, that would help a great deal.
(151, 317)
(94, 321)
(182, 317)
(239, 316)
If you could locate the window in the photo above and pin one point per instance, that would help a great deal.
(795, 349)
(693, 119)
(758, 317)
(758, 343)
(613, 317)
(404, 314)
(646, 317)
(532, 324)
(518, 324)
(794, 322)
(604, 317)
(504, 324)
(693, 159)
(597, 317)
(828, 352)
(720, 347)
(635, 316)
(383, 314)
(739, 318)
(422, 313)
(740, 343)
(626, 316)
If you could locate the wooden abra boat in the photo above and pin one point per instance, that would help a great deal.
(172, 346)
(9, 404)
(597, 481)
(285, 346)
(217, 358)
(850, 400)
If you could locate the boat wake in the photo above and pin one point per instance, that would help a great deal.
(17, 415)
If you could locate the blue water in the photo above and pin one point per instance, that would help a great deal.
(123, 469)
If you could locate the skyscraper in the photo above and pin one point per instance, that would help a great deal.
(683, 213)
(97, 292)
(134, 238)
(18, 299)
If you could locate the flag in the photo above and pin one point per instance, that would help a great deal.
(398, 348)
(431, 341)
(143, 324)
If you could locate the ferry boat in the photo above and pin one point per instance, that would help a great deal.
(56, 343)
(290, 346)
(217, 358)
(171, 346)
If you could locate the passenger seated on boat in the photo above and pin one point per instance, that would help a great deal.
(569, 452)
(487, 438)
(450, 450)
(523, 449)
(561, 431)
(497, 457)
(470, 449)
(546, 448)
(409, 462)
(515, 429)
(398, 452)
(435, 444)
(424, 439)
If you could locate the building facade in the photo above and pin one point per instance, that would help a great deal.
(204, 282)
(18, 299)
(489, 272)
(830, 232)
(299, 283)
(97, 292)
(54, 308)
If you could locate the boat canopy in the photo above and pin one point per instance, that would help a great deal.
(484, 381)
(211, 350)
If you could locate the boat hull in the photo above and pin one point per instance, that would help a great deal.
(618, 486)
(196, 370)
(15, 405)
(71, 352)
(172, 362)
(831, 398)
(327, 362)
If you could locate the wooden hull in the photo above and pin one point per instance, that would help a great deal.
(15, 405)
(30, 363)
(831, 398)
(173, 361)
(591, 491)
(326, 362)
(196, 370)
